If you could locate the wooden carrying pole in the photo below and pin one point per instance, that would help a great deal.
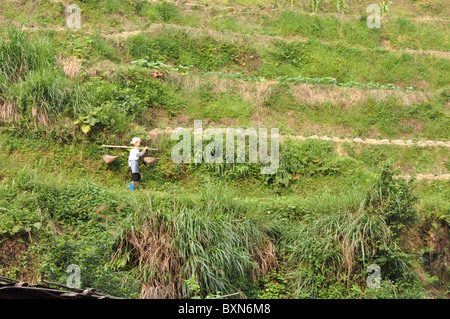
(150, 149)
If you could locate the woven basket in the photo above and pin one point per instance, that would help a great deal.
(109, 158)
(151, 160)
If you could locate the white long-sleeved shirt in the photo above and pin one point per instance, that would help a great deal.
(133, 159)
(135, 154)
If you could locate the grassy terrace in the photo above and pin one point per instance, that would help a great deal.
(308, 231)
(399, 31)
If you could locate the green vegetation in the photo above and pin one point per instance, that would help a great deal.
(203, 230)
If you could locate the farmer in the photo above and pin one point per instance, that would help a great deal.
(133, 159)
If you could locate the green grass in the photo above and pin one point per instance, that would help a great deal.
(220, 107)
(387, 118)
(238, 226)
(19, 55)
(293, 58)
(401, 32)
(121, 15)
(277, 58)
(308, 231)
(128, 92)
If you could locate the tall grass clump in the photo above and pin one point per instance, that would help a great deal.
(19, 55)
(329, 253)
(29, 79)
(165, 247)
(45, 89)
(326, 251)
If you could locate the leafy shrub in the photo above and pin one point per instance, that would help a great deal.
(275, 286)
(329, 252)
(111, 115)
(167, 11)
(158, 49)
(18, 215)
(390, 290)
(76, 203)
(70, 203)
(92, 255)
(393, 199)
(293, 52)
(203, 52)
(155, 93)
(306, 159)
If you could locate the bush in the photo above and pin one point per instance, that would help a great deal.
(92, 255)
(293, 53)
(393, 199)
(70, 203)
(330, 252)
(178, 47)
(155, 93)
(275, 286)
(160, 49)
(167, 11)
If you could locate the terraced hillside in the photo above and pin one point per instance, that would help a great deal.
(364, 163)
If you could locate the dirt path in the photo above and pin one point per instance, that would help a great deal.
(430, 143)
(443, 177)
(422, 143)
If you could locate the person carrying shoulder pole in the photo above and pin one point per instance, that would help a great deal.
(133, 159)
